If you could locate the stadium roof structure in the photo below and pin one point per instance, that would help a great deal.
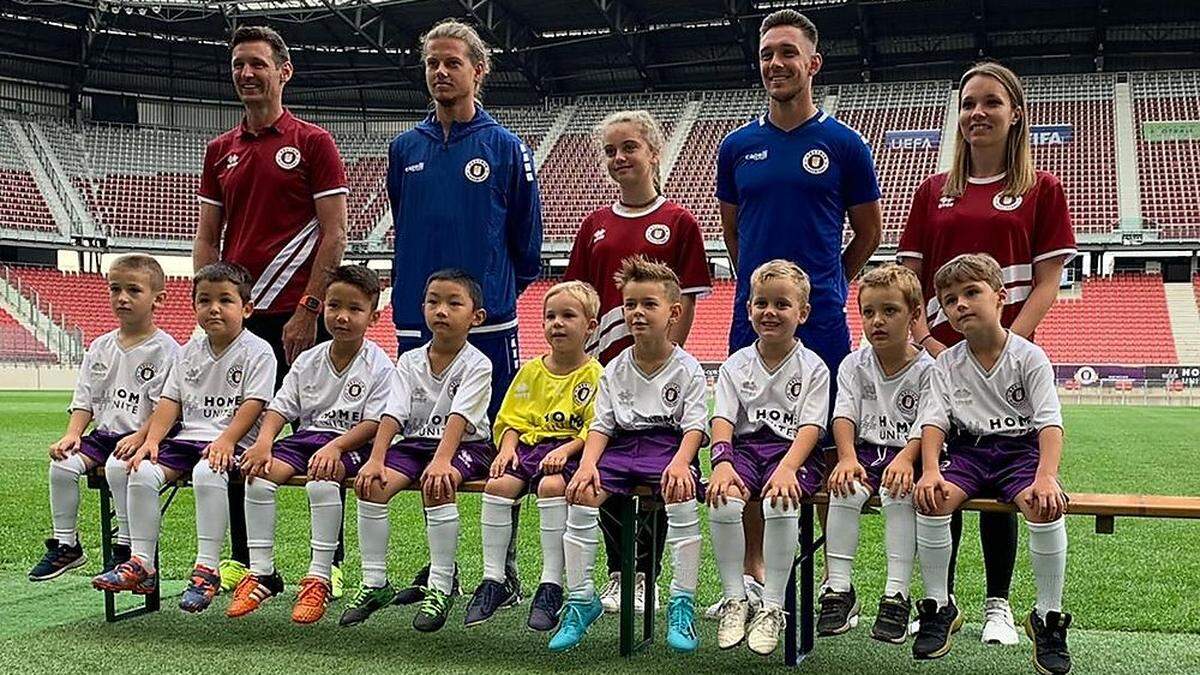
(363, 53)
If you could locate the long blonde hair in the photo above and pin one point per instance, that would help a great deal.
(647, 127)
(1018, 159)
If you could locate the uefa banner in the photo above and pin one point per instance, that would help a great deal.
(1090, 375)
(1187, 130)
(1051, 134)
(912, 139)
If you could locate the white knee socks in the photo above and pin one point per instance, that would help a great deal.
(212, 513)
(441, 526)
(781, 534)
(325, 506)
(729, 545)
(579, 550)
(260, 525)
(553, 511)
(841, 536)
(933, 548)
(683, 538)
(495, 520)
(144, 516)
(118, 485)
(1048, 557)
(64, 497)
(899, 540)
(373, 542)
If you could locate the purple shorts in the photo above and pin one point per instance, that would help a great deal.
(98, 445)
(410, 457)
(756, 456)
(529, 458)
(991, 466)
(638, 459)
(297, 449)
(875, 459)
(180, 455)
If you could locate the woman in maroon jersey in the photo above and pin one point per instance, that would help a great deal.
(991, 201)
(645, 222)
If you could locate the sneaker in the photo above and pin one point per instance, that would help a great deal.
(763, 635)
(365, 603)
(546, 607)
(998, 628)
(610, 594)
(732, 627)
(59, 558)
(431, 616)
(937, 626)
(489, 597)
(415, 592)
(1050, 653)
(639, 594)
(311, 600)
(753, 596)
(232, 572)
(915, 626)
(577, 616)
(252, 591)
(130, 575)
(118, 554)
(337, 584)
(839, 612)
(891, 621)
(681, 623)
(203, 587)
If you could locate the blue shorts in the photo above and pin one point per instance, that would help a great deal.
(499, 346)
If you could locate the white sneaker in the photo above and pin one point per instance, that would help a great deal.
(732, 629)
(610, 595)
(998, 628)
(763, 636)
(716, 610)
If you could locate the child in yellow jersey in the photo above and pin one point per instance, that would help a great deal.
(540, 431)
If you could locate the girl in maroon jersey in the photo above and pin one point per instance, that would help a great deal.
(991, 201)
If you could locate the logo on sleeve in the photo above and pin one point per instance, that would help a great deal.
(794, 387)
(287, 157)
(583, 393)
(946, 203)
(906, 402)
(1015, 395)
(658, 234)
(756, 156)
(670, 393)
(1003, 202)
(815, 162)
(233, 377)
(355, 389)
(99, 370)
(145, 372)
(477, 170)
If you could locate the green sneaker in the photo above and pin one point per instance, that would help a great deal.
(435, 607)
(232, 572)
(337, 585)
(365, 603)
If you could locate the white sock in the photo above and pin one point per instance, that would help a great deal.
(841, 536)
(579, 550)
(260, 525)
(115, 473)
(495, 524)
(729, 545)
(899, 541)
(212, 513)
(325, 505)
(683, 538)
(781, 535)
(142, 499)
(553, 512)
(441, 526)
(933, 548)
(64, 497)
(373, 535)
(1048, 557)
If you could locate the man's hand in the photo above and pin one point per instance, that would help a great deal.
(299, 333)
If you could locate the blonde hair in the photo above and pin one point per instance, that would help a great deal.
(782, 269)
(649, 129)
(140, 262)
(969, 267)
(894, 276)
(639, 268)
(579, 291)
(1018, 158)
(477, 50)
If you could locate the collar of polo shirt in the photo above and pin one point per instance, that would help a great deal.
(279, 126)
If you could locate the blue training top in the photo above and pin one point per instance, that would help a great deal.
(468, 201)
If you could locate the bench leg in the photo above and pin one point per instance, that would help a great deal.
(651, 524)
(108, 530)
(793, 654)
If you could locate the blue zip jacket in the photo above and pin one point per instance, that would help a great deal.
(468, 201)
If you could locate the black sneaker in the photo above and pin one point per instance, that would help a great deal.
(1050, 653)
(489, 597)
(435, 607)
(118, 554)
(937, 625)
(58, 559)
(839, 612)
(365, 603)
(546, 607)
(891, 621)
(415, 592)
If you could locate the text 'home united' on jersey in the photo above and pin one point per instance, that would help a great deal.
(672, 398)
(883, 409)
(119, 385)
(422, 402)
(752, 397)
(322, 399)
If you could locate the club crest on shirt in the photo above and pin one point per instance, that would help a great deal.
(1015, 395)
(477, 170)
(815, 162)
(582, 393)
(233, 377)
(794, 387)
(658, 234)
(1003, 202)
(354, 389)
(145, 372)
(670, 393)
(287, 157)
(906, 402)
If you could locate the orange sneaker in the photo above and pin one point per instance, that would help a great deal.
(311, 600)
(252, 591)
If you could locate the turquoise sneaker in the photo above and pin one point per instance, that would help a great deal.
(681, 628)
(577, 616)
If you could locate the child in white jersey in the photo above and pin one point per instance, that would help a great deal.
(334, 395)
(438, 404)
(772, 406)
(119, 383)
(216, 391)
(992, 401)
(878, 394)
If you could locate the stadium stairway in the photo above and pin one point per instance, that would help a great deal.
(1185, 321)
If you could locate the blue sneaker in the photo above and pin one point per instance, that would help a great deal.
(576, 618)
(681, 628)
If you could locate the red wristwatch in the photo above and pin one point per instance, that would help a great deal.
(312, 303)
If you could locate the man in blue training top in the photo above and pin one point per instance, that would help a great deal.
(464, 195)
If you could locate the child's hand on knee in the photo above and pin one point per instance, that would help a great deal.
(67, 445)
(677, 483)
(931, 492)
(323, 465)
(725, 483)
(554, 462)
(585, 484)
(371, 480)
(898, 477)
(845, 473)
(437, 482)
(505, 460)
(783, 487)
(1046, 498)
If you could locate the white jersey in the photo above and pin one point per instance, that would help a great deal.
(1015, 398)
(883, 409)
(423, 402)
(210, 388)
(120, 386)
(325, 400)
(752, 397)
(674, 397)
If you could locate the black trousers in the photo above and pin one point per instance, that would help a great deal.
(998, 537)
